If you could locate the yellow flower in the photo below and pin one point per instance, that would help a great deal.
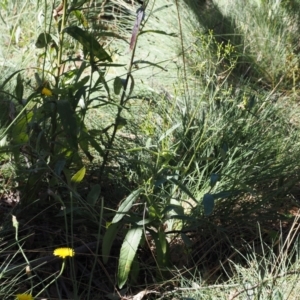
(24, 297)
(46, 92)
(64, 252)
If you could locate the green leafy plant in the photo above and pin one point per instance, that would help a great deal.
(50, 127)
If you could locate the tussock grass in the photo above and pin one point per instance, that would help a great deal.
(264, 272)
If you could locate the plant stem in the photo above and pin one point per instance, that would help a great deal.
(61, 39)
(120, 107)
(55, 278)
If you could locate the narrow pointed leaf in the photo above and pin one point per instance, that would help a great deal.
(126, 205)
(149, 63)
(78, 176)
(93, 195)
(214, 178)
(59, 166)
(161, 245)
(208, 203)
(108, 239)
(118, 85)
(9, 78)
(43, 40)
(183, 188)
(187, 241)
(87, 40)
(134, 271)
(159, 32)
(81, 18)
(168, 132)
(127, 254)
(19, 131)
(68, 120)
(19, 88)
(131, 85)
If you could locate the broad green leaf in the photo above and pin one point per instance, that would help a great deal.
(161, 245)
(84, 143)
(223, 154)
(80, 99)
(121, 122)
(108, 239)
(103, 81)
(143, 222)
(88, 41)
(91, 136)
(9, 78)
(251, 102)
(187, 241)
(135, 269)
(96, 146)
(59, 166)
(118, 85)
(93, 195)
(3, 141)
(81, 18)
(78, 176)
(19, 88)
(19, 129)
(208, 203)
(43, 40)
(79, 84)
(173, 209)
(127, 254)
(214, 178)
(67, 176)
(69, 122)
(126, 205)
(131, 85)
(163, 242)
(183, 188)
(38, 79)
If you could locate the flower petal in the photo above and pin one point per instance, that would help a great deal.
(64, 252)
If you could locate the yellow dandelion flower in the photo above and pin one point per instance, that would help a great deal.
(46, 92)
(64, 252)
(24, 297)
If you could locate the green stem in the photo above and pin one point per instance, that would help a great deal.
(120, 107)
(56, 277)
(16, 225)
(59, 65)
(61, 38)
